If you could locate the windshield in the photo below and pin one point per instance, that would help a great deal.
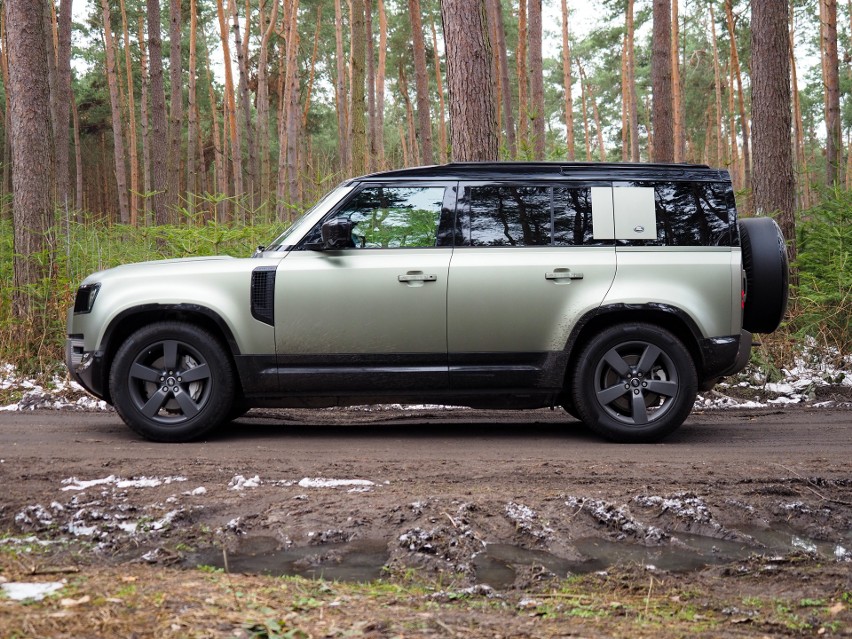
(311, 215)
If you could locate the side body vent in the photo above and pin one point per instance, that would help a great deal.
(263, 294)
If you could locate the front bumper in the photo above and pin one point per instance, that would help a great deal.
(86, 367)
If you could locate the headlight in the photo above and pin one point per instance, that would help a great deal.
(85, 299)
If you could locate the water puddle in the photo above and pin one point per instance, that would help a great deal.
(498, 564)
(357, 561)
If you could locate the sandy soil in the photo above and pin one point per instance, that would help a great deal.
(494, 523)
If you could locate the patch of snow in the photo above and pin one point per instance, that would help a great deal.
(72, 483)
(238, 482)
(322, 482)
(201, 490)
(19, 591)
(841, 554)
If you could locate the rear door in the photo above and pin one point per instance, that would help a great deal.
(532, 259)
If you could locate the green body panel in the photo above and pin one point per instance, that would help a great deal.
(501, 300)
(220, 284)
(695, 280)
(351, 301)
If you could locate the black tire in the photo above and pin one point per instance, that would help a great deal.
(634, 383)
(767, 274)
(172, 382)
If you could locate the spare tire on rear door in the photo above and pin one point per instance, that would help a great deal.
(767, 275)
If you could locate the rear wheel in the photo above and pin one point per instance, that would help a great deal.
(172, 382)
(634, 383)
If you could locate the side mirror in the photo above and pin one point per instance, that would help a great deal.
(337, 234)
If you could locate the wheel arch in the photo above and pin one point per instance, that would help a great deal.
(132, 319)
(671, 318)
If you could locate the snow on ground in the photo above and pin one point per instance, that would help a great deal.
(750, 389)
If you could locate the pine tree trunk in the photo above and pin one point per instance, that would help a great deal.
(717, 92)
(631, 84)
(262, 126)
(424, 116)
(586, 133)
(309, 89)
(145, 125)
(566, 83)
(357, 108)
(834, 140)
(472, 114)
(523, 99)
(175, 107)
(801, 157)
(677, 96)
(661, 72)
(159, 128)
(63, 113)
(78, 159)
(51, 45)
(442, 120)
(373, 155)
(381, 71)
(343, 139)
(133, 151)
(236, 144)
(409, 113)
(625, 104)
(536, 68)
(32, 150)
(774, 186)
(495, 15)
(245, 105)
(293, 110)
(744, 120)
(192, 133)
(117, 128)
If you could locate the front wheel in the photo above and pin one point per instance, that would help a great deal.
(634, 383)
(172, 382)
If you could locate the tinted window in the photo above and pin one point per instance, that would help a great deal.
(392, 217)
(691, 213)
(528, 216)
(572, 217)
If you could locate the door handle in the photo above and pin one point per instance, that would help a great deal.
(419, 277)
(563, 274)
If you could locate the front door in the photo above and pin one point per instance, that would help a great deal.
(371, 315)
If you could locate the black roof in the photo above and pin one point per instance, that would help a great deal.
(551, 171)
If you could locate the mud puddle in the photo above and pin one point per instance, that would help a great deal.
(499, 564)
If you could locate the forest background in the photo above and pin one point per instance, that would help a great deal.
(140, 131)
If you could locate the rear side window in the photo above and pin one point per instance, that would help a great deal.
(691, 214)
(521, 215)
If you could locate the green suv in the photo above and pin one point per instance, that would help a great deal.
(616, 291)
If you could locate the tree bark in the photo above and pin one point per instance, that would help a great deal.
(774, 187)
(536, 66)
(159, 126)
(63, 113)
(192, 133)
(117, 128)
(262, 125)
(631, 84)
(245, 103)
(661, 72)
(380, 81)
(132, 151)
(424, 116)
(495, 15)
(32, 150)
(834, 140)
(373, 155)
(522, 69)
(744, 120)
(584, 109)
(677, 95)
(231, 106)
(439, 82)
(175, 107)
(566, 83)
(343, 139)
(145, 124)
(357, 107)
(717, 91)
(472, 113)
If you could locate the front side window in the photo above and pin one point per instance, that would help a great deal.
(392, 217)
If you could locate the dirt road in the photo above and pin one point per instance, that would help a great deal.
(739, 506)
